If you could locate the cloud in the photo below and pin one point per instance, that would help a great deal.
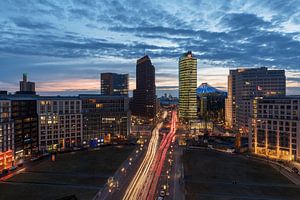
(240, 21)
(79, 39)
(26, 23)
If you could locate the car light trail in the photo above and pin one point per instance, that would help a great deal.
(135, 188)
(161, 156)
(144, 182)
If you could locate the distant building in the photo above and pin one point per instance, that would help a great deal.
(210, 103)
(114, 84)
(144, 96)
(246, 84)
(168, 100)
(105, 116)
(275, 127)
(26, 87)
(60, 123)
(187, 87)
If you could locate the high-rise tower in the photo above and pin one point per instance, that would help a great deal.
(187, 86)
(144, 96)
(246, 84)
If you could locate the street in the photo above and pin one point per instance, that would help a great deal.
(144, 184)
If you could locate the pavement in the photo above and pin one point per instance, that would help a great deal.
(292, 176)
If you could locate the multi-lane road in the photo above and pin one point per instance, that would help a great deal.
(137, 184)
(139, 177)
(144, 183)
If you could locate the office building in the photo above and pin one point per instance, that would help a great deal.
(60, 123)
(210, 103)
(26, 87)
(246, 84)
(275, 127)
(24, 115)
(6, 135)
(105, 116)
(144, 96)
(114, 84)
(187, 87)
(6, 126)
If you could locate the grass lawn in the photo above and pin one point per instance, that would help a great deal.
(82, 173)
(212, 175)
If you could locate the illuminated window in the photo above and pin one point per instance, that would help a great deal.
(99, 105)
(92, 100)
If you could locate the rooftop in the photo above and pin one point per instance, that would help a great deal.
(205, 88)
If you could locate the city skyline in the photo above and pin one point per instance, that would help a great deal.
(164, 100)
(75, 42)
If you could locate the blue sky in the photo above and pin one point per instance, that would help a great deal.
(65, 45)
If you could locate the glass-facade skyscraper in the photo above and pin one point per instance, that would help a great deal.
(246, 84)
(144, 96)
(114, 84)
(187, 87)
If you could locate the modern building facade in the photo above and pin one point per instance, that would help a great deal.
(144, 96)
(6, 126)
(210, 103)
(26, 86)
(105, 116)
(114, 84)
(7, 140)
(6, 135)
(187, 87)
(275, 127)
(230, 101)
(24, 115)
(60, 123)
(246, 84)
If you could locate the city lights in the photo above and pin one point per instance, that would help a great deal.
(149, 100)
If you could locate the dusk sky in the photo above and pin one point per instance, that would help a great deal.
(65, 45)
